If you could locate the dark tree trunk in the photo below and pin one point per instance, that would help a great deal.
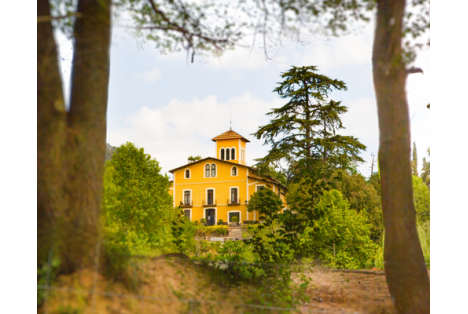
(71, 146)
(51, 136)
(407, 276)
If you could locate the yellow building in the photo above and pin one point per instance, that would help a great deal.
(220, 188)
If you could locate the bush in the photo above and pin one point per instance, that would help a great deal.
(341, 238)
(235, 219)
(203, 221)
(220, 222)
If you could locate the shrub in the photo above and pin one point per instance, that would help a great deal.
(203, 220)
(341, 238)
(220, 222)
(235, 219)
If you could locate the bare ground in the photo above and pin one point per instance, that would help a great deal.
(178, 286)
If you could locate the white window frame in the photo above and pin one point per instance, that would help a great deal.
(214, 195)
(238, 193)
(204, 171)
(234, 211)
(216, 213)
(183, 196)
(257, 185)
(216, 170)
(190, 212)
(190, 174)
(235, 153)
(237, 171)
(221, 156)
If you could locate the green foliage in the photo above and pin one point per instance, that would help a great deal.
(45, 276)
(207, 230)
(203, 221)
(183, 232)
(426, 169)
(422, 199)
(342, 236)
(266, 202)
(363, 196)
(193, 159)
(235, 219)
(308, 123)
(137, 208)
(414, 161)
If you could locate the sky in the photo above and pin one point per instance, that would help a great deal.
(172, 108)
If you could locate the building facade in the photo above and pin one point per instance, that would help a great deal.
(220, 188)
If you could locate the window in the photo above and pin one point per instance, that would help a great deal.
(234, 196)
(187, 174)
(234, 171)
(227, 154)
(236, 214)
(260, 187)
(279, 191)
(207, 170)
(242, 155)
(222, 153)
(213, 170)
(209, 197)
(187, 197)
(233, 153)
(187, 213)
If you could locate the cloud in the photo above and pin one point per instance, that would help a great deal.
(152, 75)
(180, 129)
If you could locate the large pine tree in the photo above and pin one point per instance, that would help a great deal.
(302, 133)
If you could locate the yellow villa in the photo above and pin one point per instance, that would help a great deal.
(220, 188)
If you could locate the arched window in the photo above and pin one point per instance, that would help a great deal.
(233, 153)
(187, 174)
(207, 170)
(234, 171)
(227, 154)
(213, 170)
(222, 153)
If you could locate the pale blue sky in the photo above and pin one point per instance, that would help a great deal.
(173, 108)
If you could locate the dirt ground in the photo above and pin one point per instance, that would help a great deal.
(178, 286)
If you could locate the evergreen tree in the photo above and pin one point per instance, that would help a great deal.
(414, 162)
(303, 131)
(426, 170)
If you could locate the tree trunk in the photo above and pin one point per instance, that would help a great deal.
(51, 136)
(407, 276)
(71, 146)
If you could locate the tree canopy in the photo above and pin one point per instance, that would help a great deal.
(303, 132)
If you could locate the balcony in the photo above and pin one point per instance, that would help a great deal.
(234, 201)
(186, 204)
(209, 203)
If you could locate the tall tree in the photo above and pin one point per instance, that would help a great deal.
(303, 131)
(71, 144)
(426, 169)
(406, 271)
(414, 161)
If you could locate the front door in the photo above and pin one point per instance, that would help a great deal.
(210, 216)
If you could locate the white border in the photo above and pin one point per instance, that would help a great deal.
(238, 193)
(190, 212)
(257, 185)
(190, 173)
(216, 170)
(214, 194)
(219, 156)
(204, 170)
(235, 153)
(237, 171)
(216, 213)
(183, 196)
(234, 211)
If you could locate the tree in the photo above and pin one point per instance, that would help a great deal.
(136, 199)
(422, 199)
(341, 237)
(363, 197)
(308, 123)
(110, 150)
(426, 170)
(265, 202)
(414, 162)
(193, 159)
(71, 144)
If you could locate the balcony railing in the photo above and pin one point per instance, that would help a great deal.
(234, 201)
(186, 204)
(209, 203)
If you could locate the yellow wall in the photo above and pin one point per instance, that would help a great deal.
(238, 144)
(221, 184)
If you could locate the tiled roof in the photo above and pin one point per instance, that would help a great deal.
(228, 136)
